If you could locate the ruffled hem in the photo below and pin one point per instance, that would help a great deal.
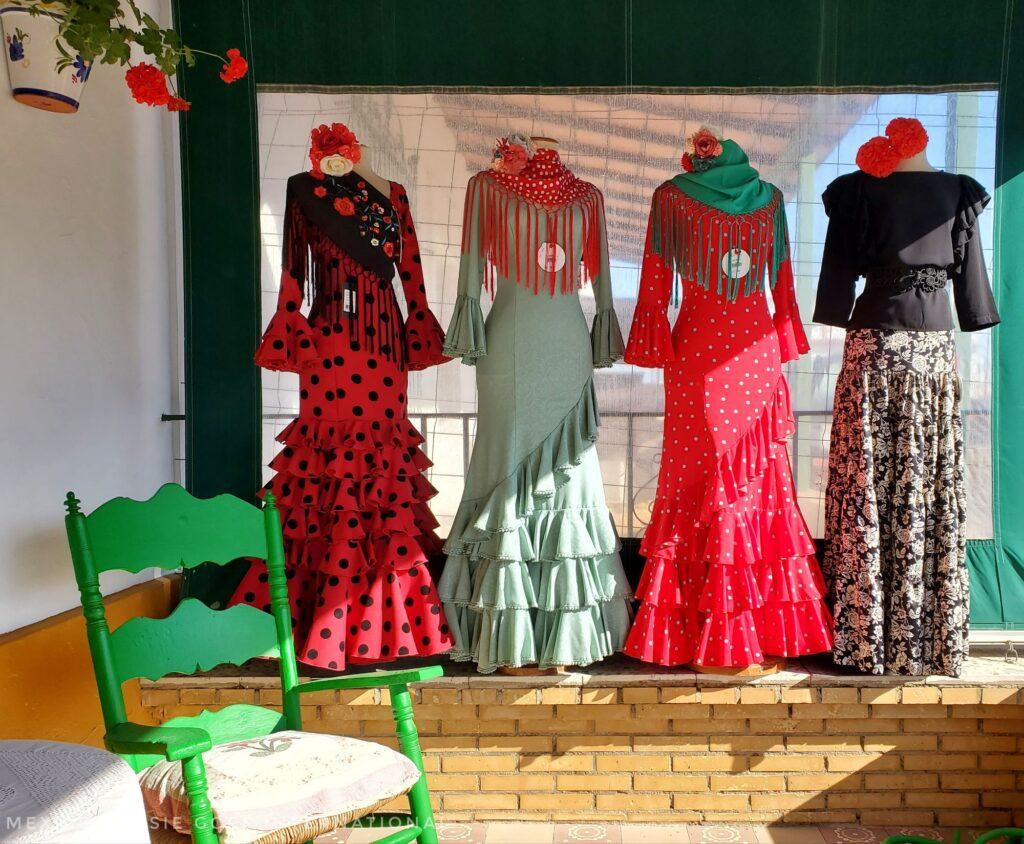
(725, 589)
(506, 508)
(329, 434)
(526, 584)
(358, 532)
(571, 583)
(424, 341)
(544, 536)
(973, 200)
(606, 339)
(330, 496)
(752, 455)
(731, 574)
(370, 617)
(764, 526)
(466, 337)
(682, 635)
(288, 344)
(517, 637)
(341, 481)
(650, 339)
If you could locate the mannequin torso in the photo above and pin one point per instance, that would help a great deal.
(364, 169)
(336, 165)
(916, 163)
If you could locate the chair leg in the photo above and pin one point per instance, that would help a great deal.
(193, 771)
(409, 741)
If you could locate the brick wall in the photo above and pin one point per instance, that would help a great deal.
(502, 748)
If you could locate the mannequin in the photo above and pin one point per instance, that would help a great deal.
(901, 606)
(352, 349)
(533, 581)
(364, 169)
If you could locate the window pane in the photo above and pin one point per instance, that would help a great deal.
(627, 145)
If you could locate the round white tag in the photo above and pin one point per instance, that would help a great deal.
(550, 257)
(736, 263)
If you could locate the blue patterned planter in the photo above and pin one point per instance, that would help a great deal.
(29, 44)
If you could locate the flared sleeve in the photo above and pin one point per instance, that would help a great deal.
(289, 344)
(972, 291)
(788, 327)
(605, 335)
(465, 337)
(837, 283)
(650, 336)
(424, 339)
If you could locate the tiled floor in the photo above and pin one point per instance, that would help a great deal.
(541, 833)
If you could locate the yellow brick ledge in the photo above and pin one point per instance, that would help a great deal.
(619, 743)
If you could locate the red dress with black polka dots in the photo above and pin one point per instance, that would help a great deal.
(349, 482)
(731, 576)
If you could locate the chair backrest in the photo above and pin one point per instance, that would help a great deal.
(172, 530)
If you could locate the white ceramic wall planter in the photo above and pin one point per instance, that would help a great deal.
(30, 48)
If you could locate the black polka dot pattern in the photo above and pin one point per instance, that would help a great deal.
(349, 481)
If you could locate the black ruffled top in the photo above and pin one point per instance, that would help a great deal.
(906, 234)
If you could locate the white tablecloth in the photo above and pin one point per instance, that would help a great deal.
(67, 793)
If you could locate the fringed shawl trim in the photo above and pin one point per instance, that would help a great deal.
(507, 231)
(695, 240)
(328, 274)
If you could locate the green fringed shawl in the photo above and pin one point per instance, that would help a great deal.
(698, 218)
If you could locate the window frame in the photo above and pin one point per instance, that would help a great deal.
(630, 46)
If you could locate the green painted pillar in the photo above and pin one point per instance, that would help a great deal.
(220, 225)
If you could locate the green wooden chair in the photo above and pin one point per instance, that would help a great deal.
(171, 530)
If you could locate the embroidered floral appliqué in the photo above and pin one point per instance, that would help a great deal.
(377, 223)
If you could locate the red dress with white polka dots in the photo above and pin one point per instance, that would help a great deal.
(731, 577)
(349, 480)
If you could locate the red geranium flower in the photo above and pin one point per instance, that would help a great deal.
(320, 191)
(148, 85)
(877, 157)
(344, 207)
(178, 104)
(907, 136)
(236, 67)
(687, 162)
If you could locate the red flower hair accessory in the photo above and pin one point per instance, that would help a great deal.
(336, 139)
(907, 136)
(702, 148)
(511, 154)
(878, 157)
(904, 138)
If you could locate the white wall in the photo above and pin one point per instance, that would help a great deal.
(87, 326)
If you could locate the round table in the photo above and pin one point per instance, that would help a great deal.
(56, 792)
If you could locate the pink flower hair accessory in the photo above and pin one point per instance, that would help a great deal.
(702, 148)
(511, 154)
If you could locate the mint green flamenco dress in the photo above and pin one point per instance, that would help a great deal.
(533, 575)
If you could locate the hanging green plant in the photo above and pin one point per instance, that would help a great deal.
(105, 31)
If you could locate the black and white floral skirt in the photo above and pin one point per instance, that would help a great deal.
(896, 509)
